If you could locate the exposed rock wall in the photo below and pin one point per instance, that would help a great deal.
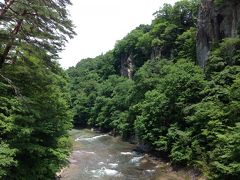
(127, 67)
(156, 53)
(216, 22)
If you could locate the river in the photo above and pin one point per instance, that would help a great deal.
(103, 157)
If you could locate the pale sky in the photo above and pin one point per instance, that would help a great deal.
(100, 23)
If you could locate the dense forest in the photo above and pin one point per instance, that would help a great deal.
(35, 115)
(151, 87)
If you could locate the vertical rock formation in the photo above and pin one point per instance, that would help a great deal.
(216, 22)
(127, 67)
(156, 53)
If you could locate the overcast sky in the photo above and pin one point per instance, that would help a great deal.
(100, 23)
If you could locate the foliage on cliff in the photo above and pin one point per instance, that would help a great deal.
(179, 110)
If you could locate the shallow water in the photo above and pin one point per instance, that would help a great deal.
(103, 157)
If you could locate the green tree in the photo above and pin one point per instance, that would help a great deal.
(85, 78)
(35, 123)
(40, 27)
(164, 108)
(111, 108)
(215, 119)
(186, 45)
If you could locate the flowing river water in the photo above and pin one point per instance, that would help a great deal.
(103, 157)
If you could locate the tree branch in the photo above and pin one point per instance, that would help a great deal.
(9, 45)
(7, 5)
(16, 90)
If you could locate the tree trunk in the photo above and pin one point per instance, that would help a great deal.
(9, 45)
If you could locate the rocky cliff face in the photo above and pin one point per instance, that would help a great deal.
(127, 67)
(216, 22)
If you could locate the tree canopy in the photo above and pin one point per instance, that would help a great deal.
(37, 26)
(35, 114)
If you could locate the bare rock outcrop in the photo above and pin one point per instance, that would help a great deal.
(127, 67)
(215, 22)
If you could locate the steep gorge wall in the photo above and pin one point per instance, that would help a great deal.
(216, 22)
(217, 19)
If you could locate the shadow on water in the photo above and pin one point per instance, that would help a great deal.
(103, 157)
